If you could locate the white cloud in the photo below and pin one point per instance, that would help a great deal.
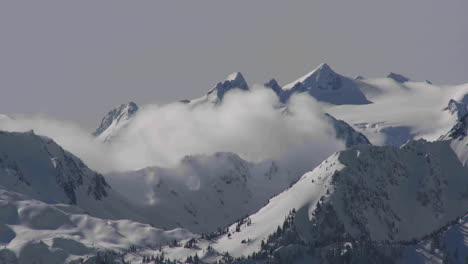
(246, 123)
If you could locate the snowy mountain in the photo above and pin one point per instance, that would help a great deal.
(400, 111)
(326, 86)
(366, 193)
(458, 138)
(404, 201)
(56, 191)
(397, 205)
(273, 84)
(188, 194)
(54, 209)
(458, 108)
(117, 119)
(347, 133)
(32, 231)
(203, 193)
(215, 95)
(37, 166)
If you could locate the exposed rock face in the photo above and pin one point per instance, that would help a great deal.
(398, 77)
(216, 94)
(458, 108)
(235, 80)
(115, 120)
(273, 84)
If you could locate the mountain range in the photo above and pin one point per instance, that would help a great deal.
(396, 192)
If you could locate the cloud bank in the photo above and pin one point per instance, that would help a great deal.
(250, 124)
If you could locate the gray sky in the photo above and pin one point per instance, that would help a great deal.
(76, 60)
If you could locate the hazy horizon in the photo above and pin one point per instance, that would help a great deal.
(73, 62)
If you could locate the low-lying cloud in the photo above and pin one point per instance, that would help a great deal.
(247, 123)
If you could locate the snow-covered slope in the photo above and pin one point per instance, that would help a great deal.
(367, 192)
(37, 166)
(45, 188)
(117, 119)
(50, 201)
(402, 111)
(347, 133)
(458, 138)
(203, 193)
(324, 85)
(215, 95)
(32, 231)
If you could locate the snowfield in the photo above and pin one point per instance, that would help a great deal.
(404, 111)
(33, 231)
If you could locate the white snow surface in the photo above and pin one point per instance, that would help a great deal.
(204, 193)
(384, 193)
(327, 86)
(31, 230)
(402, 111)
(458, 138)
(50, 203)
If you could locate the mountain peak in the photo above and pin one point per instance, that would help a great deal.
(234, 80)
(328, 86)
(116, 116)
(323, 67)
(323, 76)
(398, 77)
(273, 85)
(235, 76)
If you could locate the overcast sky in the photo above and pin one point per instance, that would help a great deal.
(76, 60)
